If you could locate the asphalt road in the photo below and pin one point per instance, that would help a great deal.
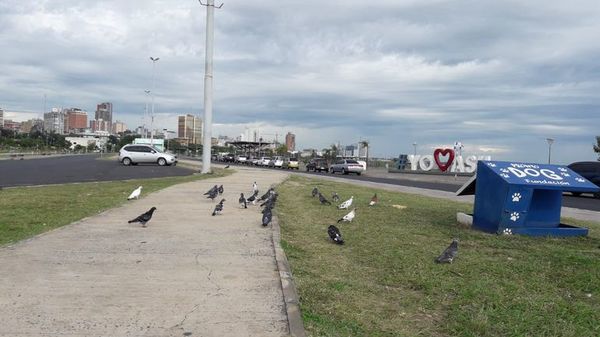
(80, 168)
(586, 202)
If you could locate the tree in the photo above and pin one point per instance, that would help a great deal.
(91, 146)
(281, 150)
(597, 146)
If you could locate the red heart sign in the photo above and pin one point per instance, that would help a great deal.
(442, 153)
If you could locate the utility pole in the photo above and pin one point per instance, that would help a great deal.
(208, 84)
(153, 59)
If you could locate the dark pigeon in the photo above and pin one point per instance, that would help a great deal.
(144, 218)
(213, 195)
(315, 191)
(209, 192)
(221, 189)
(266, 195)
(227, 166)
(335, 235)
(335, 197)
(252, 198)
(323, 200)
(449, 254)
(242, 201)
(218, 208)
(266, 219)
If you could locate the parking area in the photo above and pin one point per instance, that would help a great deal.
(78, 168)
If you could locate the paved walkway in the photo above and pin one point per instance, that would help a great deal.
(186, 274)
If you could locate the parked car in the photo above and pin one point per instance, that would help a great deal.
(139, 153)
(255, 161)
(241, 159)
(347, 166)
(590, 170)
(264, 161)
(317, 165)
(290, 164)
(276, 162)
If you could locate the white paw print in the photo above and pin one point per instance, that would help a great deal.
(507, 231)
(516, 197)
(581, 180)
(491, 164)
(562, 169)
(514, 216)
(564, 174)
(504, 175)
(503, 170)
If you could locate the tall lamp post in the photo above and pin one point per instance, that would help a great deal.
(415, 146)
(153, 59)
(550, 141)
(145, 114)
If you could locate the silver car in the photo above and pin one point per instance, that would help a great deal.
(139, 153)
(347, 166)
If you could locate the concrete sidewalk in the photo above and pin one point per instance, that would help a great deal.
(187, 274)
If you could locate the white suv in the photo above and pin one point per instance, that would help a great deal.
(140, 153)
(264, 161)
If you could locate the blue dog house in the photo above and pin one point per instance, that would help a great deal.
(523, 198)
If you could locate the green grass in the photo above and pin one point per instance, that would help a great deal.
(383, 281)
(27, 211)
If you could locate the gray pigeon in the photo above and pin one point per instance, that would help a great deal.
(242, 201)
(323, 200)
(212, 189)
(335, 235)
(218, 208)
(335, 197)
(144, 218)
(266, 219)
(213, 194)
(315, 191)
(449, 254)
(221, 189)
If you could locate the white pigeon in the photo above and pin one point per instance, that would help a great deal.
(135, 194)
(346, 204)
(348, 217)
(254, 187)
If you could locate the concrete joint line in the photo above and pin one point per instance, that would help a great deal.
(290, 295)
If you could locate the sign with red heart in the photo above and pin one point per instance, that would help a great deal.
(443, 153)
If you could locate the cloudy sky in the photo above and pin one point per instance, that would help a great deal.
(499, 76)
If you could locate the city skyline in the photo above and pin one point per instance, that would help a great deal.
(495, 76)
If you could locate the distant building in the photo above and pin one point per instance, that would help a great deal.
(32, 124)
(54, 121)
(190, 128)
(75, 120)
(104, 111)
(1, 118)
(290, 142)
(12, 125)
(118, 127)
(100, 125)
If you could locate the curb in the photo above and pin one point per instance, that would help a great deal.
(290, 295)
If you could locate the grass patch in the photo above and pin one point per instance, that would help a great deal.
(383, 281)
(27, 211)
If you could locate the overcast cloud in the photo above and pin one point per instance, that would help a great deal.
(500, 76)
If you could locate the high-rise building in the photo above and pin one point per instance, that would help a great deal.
(54, 121)
(190, 128)
(31, 124)
(100, 125)
(12, 125)
(1, 118)
(104, 112)
(75, 120)
(118, 127)
(290, 141)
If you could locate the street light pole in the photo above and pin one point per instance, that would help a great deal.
(208, 84)
(415, 146)
(145, 115)
(550, 142)
(153, 59)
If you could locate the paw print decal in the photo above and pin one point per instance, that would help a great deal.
(565, 174)
(516, 197)
(562, 169)
(503, 170)
(581, 180)
(491, 164)
(504, 175)
(507, 231)
(514, 216)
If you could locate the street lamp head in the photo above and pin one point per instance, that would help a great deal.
(154, 59)
(550, 141)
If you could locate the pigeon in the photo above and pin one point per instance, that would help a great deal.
(449, 254)
(135, 194)
(266, 195)
(254, 188)
(323, 200)
(315, 191)
(227, 166)
(218, 208)
(374, 200)
(348, 217)
(213, 194)
(221, 189)
(346, 203)
(144, 218)
(252, 198)
(243, 201)
(335, 235)
(335, 197)
(266, 219)
(214, 188)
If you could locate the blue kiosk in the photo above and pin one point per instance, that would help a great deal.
(523, 198)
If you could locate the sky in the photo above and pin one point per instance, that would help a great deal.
(498, 76)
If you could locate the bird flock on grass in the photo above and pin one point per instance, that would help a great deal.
(267, 203)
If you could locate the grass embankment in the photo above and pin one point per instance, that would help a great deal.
(384, 282)
(27, 211)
